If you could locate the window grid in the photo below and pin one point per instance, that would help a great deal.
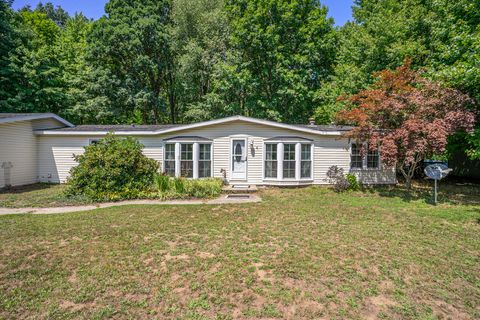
(205, 161)
(271, 160)
(356, 157)
(289, 161)
(170, 159)
(306, 161)
(373, 159)
(186, 160)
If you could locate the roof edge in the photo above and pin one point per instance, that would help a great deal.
(37, 117)
(197, 125)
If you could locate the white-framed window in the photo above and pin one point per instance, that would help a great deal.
(289, 161)
(205, 160)
(358, 162)
(169, 162)
(306, 161)
(186, 160)
(271, 161)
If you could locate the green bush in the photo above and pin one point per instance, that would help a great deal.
(174, 188)
(162, 182)
(203, 188)
(179, 185)
(353, 182)
(112, 169)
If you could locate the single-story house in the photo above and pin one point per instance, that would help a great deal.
(244, 151)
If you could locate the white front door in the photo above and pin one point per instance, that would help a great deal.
(239, 159)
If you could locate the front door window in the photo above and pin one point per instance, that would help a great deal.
(239, 159)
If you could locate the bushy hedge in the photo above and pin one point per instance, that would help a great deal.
(112, 169)
(170, 188)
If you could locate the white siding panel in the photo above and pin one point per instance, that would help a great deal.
(56, 153)
(18, 146)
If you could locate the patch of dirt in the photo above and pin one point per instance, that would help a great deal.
(74, 307)
(375, 305)
(449, 311)
(169, 257)
(262, 275)
(205, 255)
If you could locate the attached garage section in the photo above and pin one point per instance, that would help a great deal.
(19, 148)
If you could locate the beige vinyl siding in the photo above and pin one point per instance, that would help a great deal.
(56, 152)
(18, 146)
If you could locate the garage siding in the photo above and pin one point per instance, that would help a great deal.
(18, 147)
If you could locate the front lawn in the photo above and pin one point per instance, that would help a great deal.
(301, 253)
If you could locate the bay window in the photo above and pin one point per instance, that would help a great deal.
(288, 159)
(187, 158)
(271, 160)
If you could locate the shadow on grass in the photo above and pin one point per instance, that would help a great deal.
(449, 192)
(28, 188)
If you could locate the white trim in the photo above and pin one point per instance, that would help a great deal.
(37, 117)
(193, 126)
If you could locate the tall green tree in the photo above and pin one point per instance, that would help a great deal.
(199, 40)
(132, 42)
(279, 53)
(7, 45)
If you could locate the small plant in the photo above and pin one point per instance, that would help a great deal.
(336, 176)
(179, 185)
(162, 182)
(353, 182)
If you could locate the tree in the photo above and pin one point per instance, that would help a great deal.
(408, 117)
(199, 39)
(132, 42)
(7, 45)
(279, 53)
(440, 36)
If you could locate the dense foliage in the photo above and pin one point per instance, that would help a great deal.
(190, 60)
(409, 117)
(112, 169)
(174, 188)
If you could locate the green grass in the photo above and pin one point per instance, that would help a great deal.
(301, 253)
(39, 195)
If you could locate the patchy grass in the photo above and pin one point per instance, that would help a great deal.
(301, 253)
(38, 195)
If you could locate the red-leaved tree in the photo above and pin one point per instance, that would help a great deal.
(407, 116)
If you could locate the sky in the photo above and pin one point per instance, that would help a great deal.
(340, 10)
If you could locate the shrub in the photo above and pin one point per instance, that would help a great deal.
(169, 188)
(112, 169)
(203, 188)
(340, 182)
(179, 185)
(353, 182)
(162, 182)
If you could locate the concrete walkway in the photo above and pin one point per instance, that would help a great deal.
(221, 200)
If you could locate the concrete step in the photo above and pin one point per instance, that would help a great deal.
(240, 188)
